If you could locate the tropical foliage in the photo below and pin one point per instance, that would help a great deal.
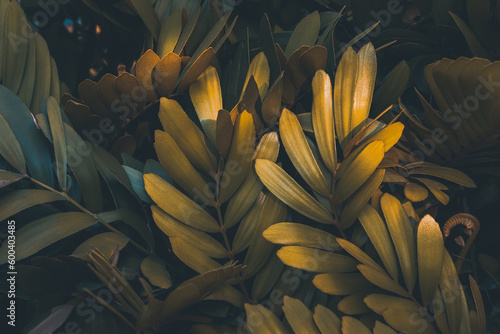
(248, 173)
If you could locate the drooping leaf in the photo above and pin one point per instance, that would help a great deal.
(18, 200)
(45, 231)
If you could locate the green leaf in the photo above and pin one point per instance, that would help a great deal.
(305, 33)
(59, 140)
(475, 46)
(268, 46)
(33, 143)
(84, 170)
(18, 200)
(43, 74)
(10, 148)
(207, 41)
(131, 219)
(7, 178)
(148, 15)
(45, 231)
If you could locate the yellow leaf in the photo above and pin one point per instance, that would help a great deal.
(174, 228)
(326, 320)
(247, 226)
(240, 156)
(430, 250)
(294, 234)
(360, 198)
(379, 236)
(352, 325)
(259, 69)
(402, 236)
(365, 82)
(169, 33)
(478, 301)
(300, 153)
(290, 192)
(382, 280)
(378, 303)
(358, 254)
(262, 321)
(266, 278)
(405, 321)
(187, 135)
(192, 256)
(381, 328)
(450, 288)
(206, 96)
(273, 211)
(178, 167)
(143, 70)
(354, 304)
(390, 135)
(340, 283)
(166, 73)
(343, 93)
(415, 192)
(446, 173)
(322, 119)
(436, 189)
(316, 260)
(359, 171)
(178, 205)
(299, 316)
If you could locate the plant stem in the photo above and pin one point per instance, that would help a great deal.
(86, 211)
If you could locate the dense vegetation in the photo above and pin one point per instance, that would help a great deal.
(225, 166)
